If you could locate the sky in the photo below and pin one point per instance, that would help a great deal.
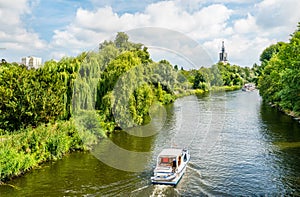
(57, 28)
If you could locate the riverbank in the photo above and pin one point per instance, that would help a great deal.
(212, 89)
(292, 114)
(269, 146)
(226, 88)
(26, 149)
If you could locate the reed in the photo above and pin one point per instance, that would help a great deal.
(26, 149)
(225, 88)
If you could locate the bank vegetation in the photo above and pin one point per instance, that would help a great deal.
(70, 104)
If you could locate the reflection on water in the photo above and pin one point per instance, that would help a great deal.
(239, 147)
(285, 138)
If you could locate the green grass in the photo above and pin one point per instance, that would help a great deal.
(181, 93)
(26, 149)
(225, 88)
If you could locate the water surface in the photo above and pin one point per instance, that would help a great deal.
(239, 147)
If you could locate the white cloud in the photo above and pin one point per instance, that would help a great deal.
(246, 51)
(99, 20)
(278, 17)
(91, 27)
(207, 22)
(10, 15)
(13, 34)
(241, 50)
(273, 13)
(246, 25)
(174, 46)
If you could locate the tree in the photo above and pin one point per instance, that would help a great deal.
(216, 76)
(176, 67)
(270, 51)
(30, 97)
(199, 80)
(121, 40)
(279, 79)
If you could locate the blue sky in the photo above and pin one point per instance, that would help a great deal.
(58, 28)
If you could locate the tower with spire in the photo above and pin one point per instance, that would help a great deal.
(223, 54)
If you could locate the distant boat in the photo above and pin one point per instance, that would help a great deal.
(248, 87)
(171, 165)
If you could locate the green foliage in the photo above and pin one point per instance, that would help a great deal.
(176, 67)
(168, 98)
(136, 90)
(201, 80)
(144, 55)
(32, 97)
(89, 121)
(39, 108)
(279, 82)
(140, 103)
(163, 73)
(159, 93)
(270, 51)
(122, 43)
(29, 97)
(218, 75)
(25, 150)
(123, 86)
(50, 111)
(59, 89)
(121, 40)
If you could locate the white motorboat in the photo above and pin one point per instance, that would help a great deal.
(248, 87)
(171, 165)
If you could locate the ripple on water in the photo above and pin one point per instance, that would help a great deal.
(239, 147)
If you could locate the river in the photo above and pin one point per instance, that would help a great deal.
(239, 147)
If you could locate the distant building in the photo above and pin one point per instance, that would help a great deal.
(223, 54)
(32, 62)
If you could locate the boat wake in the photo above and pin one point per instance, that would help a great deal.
(160, 190)
(155, 190)
(140, 189)
(194, 168)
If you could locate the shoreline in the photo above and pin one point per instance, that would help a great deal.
(286, 112)
(23, 151)
(212, 89)
(26, 154)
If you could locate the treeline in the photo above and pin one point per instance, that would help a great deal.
(35, 111)
(217, 76)
(31, 97)
(279, 80)
(68, 105)
(120, 81)
(58, 89)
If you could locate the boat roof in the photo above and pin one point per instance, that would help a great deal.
(170, 152)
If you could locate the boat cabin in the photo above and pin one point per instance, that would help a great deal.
(171, 165)
(170, 157)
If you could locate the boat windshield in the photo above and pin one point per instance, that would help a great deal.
(166, 161)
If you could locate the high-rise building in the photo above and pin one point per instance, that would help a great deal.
(223, 54)
(32, 62)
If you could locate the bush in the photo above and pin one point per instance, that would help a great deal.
(168, 98)
(22, 151)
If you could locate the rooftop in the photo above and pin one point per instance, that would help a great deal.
(170, 152)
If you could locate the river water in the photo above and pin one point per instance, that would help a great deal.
(239, 147)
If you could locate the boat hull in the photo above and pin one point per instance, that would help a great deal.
(167, 181)
(165, 177)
